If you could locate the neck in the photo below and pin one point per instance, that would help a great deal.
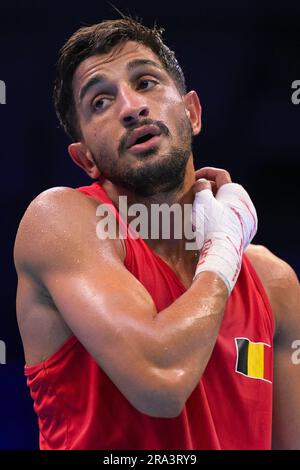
(165, 242)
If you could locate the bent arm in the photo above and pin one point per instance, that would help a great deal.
(155, 360)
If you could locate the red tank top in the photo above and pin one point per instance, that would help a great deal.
(78, 407)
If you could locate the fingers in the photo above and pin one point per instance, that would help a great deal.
(214, 187)
(201, 184)
(217, 175)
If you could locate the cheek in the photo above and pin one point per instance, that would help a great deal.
(171, 108)
(101, 142)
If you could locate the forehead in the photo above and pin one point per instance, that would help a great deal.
(108, 63)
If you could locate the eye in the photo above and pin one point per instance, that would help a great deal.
(100, 103)
(146, 84)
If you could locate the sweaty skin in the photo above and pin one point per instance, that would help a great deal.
(58, 258)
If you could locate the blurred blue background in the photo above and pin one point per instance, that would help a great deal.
(241, 58)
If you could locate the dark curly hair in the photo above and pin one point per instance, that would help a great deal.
(100, 39)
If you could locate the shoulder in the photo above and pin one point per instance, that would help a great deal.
(50, 213)
(55, 202)
(56, 224)
(272, 270)
(52, 205)
(281, 285)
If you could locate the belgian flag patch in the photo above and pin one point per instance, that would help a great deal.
(254, 360)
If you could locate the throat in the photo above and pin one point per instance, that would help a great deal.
(184, 268)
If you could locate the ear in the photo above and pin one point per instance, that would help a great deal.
(193, 110)
(82, 157)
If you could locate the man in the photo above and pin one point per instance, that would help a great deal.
(135, 343)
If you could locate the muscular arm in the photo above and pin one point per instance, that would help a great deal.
(154, 360)
(283, 290)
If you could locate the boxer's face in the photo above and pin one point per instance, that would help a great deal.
(122, 91)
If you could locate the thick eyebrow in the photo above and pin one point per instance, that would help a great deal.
(96, 80)
(140, 62)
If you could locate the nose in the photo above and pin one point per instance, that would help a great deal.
(133, 106)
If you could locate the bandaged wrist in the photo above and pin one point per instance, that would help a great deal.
(220, 254)
(224, 226)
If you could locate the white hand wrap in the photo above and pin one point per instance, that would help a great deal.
(227, 223)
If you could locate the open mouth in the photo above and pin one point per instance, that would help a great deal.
(144, 143)
(143, 136)
(143, 139)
